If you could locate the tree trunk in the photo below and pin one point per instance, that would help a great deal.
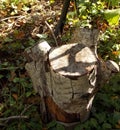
(61, 22)
(65, 78)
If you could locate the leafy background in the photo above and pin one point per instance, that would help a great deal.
(22, 24)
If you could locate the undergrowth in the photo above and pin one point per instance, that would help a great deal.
(22, 24)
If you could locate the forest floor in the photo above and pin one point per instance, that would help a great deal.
(22, 25)
(36, 20)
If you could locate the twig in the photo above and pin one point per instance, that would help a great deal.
(12, 17)
(9, 68)
(7, 119)
(13, 118)
(25, 109)
(1, 124)
(51, 32)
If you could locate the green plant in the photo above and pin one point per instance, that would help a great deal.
(106, 109)
(55, 126)
(18, 25)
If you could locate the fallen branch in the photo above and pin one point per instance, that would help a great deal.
(2, 124)
(20, 16)
(13, 118)
(25, 109)
(51, 32)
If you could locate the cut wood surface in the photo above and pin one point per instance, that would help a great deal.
(72, 60)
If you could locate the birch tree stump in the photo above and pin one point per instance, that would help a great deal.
(67, 79)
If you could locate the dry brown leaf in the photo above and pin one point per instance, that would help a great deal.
(15, 96)
(12, 75)
(19, 35)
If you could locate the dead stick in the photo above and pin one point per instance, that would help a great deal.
(51, 32)
(13, 118)
(20, 16)
(26, 108)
